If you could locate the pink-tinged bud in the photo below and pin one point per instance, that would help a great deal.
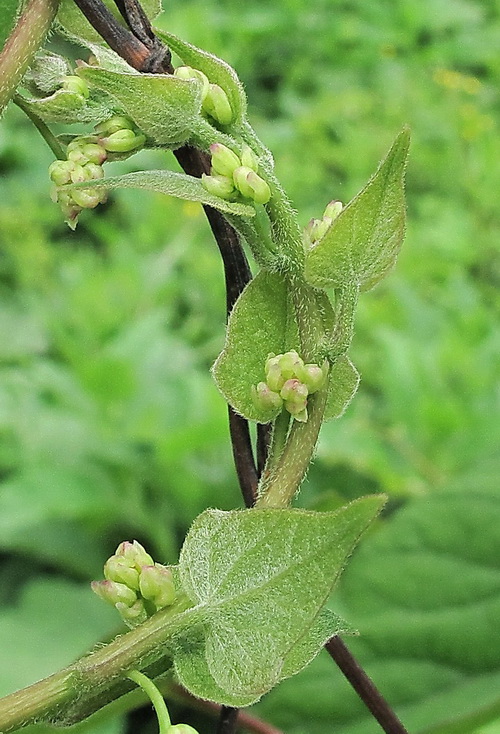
(156, 584)
(113, 124)
(224, 161)
(76, 85)
(265, 398)
(290, 364)
(217, 105)
(87, 198)
(221, 186)
(114, 593)
(314, 376)
(333, 209)
(135, 555)
(187, 72)
(249, 159)
(118, 569)
(181, 729)
(123, 141)
(295, 393)
(133, 615)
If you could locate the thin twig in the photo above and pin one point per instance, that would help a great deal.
(364, 687)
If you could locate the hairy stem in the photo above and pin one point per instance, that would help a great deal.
(42, 128)
(21, 46)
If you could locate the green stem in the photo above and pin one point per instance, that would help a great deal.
(21, 46)
(278, 442)
(42, 128)
(280, 486)
(75, 693)
(157, 699)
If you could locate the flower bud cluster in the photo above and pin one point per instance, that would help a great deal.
(232, 176)
(214, 101)
(135, 585)
(288, 384)
(85, 156)
(316, 229)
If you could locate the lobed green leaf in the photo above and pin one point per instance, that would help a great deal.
(362, 244)
(260, 323)
(260, 579)
(164, 107)
(171, 183)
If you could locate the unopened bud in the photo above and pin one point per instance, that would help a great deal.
(156, 584)
(217, 105)
(87, 153)
(251, 185)
(290, 364)
(114, 593)
(265, 398)
(113, 124)
(181, 729)
(187, 72)
(218, 186)
(87, 198)
(123, 141)
(314, 376)
(333, 209)
(249, 159)
(224, 161)
(60, 172)
(295, 393)
(118, 569)
(77, 85)
(133, 615)
(135, 555)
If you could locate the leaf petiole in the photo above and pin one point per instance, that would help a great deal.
(156, 698)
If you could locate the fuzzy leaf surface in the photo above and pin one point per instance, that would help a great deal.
(74, 22)
(68, 107)
(344, 381)
(217, 71)
(259, 579)
(171, 183)
(362, 244)
(163, 106)
(260, 323)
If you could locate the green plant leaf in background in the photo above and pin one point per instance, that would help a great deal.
(259, 579)
(8, 13)
(260, 323)
(362, 244)
(424, 592)
(172, 184)
(163, 106)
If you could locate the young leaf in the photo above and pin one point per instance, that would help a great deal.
(260, 323)
(344, 381)
(172, 184)
(363, 242)
(68, 107)
(74, 22)
(260, 579)
(163, 107)
(217, 71)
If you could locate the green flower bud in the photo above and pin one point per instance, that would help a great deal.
(224, 161)
(187, 72)
(156, 584)
(249, 159)
(266, 398)
(94, 170)
(60, 172)
(219, 186)
(76, 85)
(295, 393)
(333, 209)
(135, 555)
(113, 124)
(314, 376)
(217, 105)
(181, 729)
(133, 615)
(88, 153)
(114, 593)
(87, 198)
(290, 364)
(123, 141)
(118, 569)
(79, 174)
(251, 185)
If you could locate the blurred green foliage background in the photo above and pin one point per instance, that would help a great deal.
(110, 425)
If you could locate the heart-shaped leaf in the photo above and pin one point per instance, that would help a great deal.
(260, 323)
(164, 107)
(168, 182)
(259, 579)
(362, 244)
